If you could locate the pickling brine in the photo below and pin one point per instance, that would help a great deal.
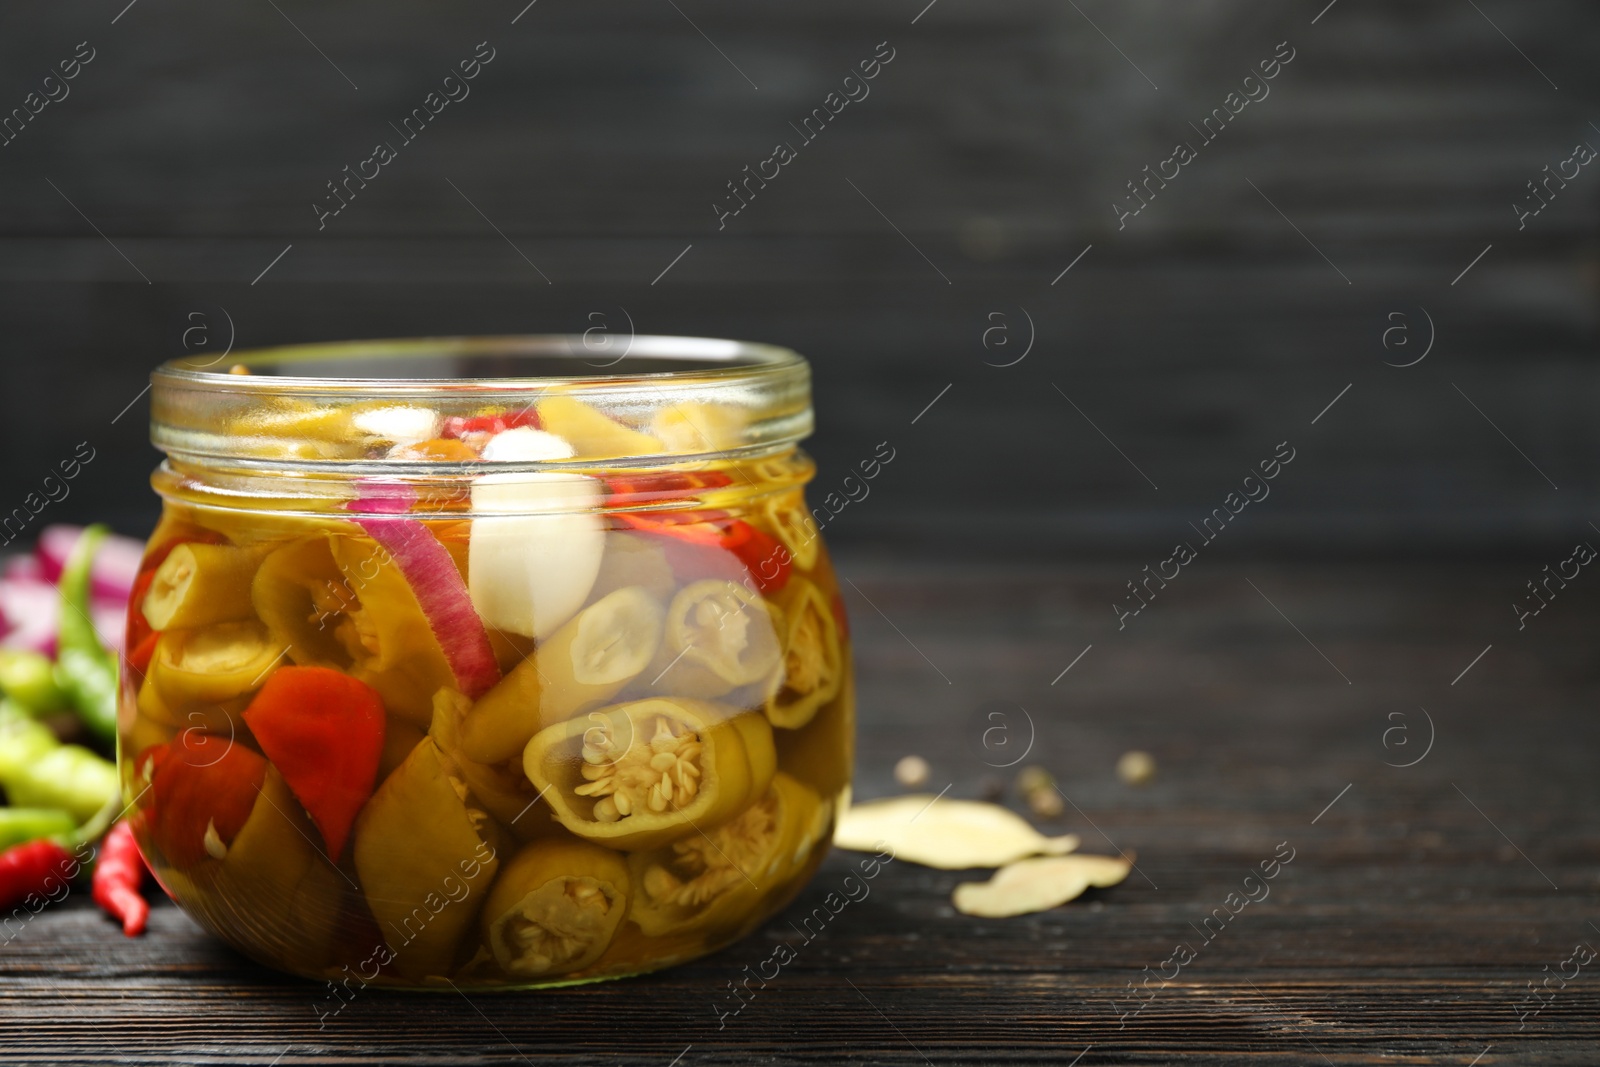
(484, 679)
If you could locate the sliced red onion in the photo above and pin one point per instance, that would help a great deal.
(431, 572)
(25, 568)
(29, 609)
(116, 564)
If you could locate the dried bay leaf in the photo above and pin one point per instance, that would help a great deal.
(952, 835)
(1038, 884)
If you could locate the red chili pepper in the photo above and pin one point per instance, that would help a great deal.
(138, 629)
(766, 558)
(30, 869)
(193, 789)
(324, 731)
(637, 489)
(457, 426)
(118, 877)
(763, 556)
(139, 656)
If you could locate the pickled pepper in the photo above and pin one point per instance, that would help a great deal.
(198, 585)
(338, 601)
(583, 664)
(500, 787)
(323, 730)
(718, 636)
(424, 862)
(203, 788)
(813, 659)
(212, 665)
(555, 908)
(714, 881)
(637, 775)
(269, 880)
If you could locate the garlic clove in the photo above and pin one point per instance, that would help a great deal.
(535, 549)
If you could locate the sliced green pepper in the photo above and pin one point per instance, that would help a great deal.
(269, 890)
(212, 664)
(719, 636)
(500, 723)
(200, 584)
(796, 527)
(823, 754)
(424, 863)
(338, 600)
(29, 679)
(637, 775)
(813, 658)
(299, 593)
(500, 788)
(582, 665)
(203, 789)
(713, 882)
(555, 908)
(222, 718)
(21, 825)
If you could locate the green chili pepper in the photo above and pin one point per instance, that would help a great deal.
(69, 777)
(21, 825)
(39, 772)
(86, 671)
(29, 678)
(22, 741)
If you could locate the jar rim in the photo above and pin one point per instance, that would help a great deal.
(727, 397)
(737, 359)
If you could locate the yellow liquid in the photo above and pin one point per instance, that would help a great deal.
(686, 794)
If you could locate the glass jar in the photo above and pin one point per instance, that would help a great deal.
(485, 661)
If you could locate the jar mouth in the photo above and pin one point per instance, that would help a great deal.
(640, 399)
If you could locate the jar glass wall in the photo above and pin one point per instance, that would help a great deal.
(501, 662)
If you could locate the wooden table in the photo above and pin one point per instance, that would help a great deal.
(1419, 904)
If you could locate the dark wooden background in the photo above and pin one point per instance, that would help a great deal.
(1197, 338)
(1420, 903)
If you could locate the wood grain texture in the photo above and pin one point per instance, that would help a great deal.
(1405, 928)
(996, 141)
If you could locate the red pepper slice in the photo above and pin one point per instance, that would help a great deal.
(765, 557)
(324, 731)
(138, 629)
(457, 426)
(194, 789)
(139, 657)
(634, 489)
